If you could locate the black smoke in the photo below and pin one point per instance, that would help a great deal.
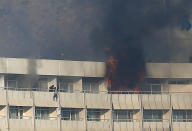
(127, 25)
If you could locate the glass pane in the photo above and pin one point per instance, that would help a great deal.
(93, 115)
(43, 85)
(13, 114)
(86, 87)
(12, 83)
(156, 89)
(37, 114)
(44, 114)
(65, 115)
(94, 87)
(70, 86)
(64, 87)
(147, 114)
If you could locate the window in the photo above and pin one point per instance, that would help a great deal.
(90, 85)
(152, 88)
(43, 85)
(178, 82)
(42, 113)
(153, 115)
(70, 114)
(66, 87)
(16, 112)
(12, 84)
(93, 114)
(123, 115)
(182, 115)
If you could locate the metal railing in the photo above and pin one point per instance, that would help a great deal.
(91, 92)
(97, 119)
(126, 120)
(70, 119)
(45, 118)
(182, 120)
(20, 117)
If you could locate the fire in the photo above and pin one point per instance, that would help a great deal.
(121, 76)
(111, 68)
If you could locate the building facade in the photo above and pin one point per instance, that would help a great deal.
(59, 95)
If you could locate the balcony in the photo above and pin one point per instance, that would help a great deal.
(126, 100)
(124, 125)
(25, 124)
(50, 124)
(156, 124)
(101, 125)
(182, 125)
(20, 98)
(3, 122)
(99, 101)
(73, 125)
(72, 100)
(181, 100)
(44, 99)
(156, 101)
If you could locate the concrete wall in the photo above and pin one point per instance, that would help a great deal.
(52, 67)
(87, 68)
(124, 101)
(169, 70)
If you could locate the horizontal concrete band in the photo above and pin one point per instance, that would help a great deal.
(52, 67)
(86, 68)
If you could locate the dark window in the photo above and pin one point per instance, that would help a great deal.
(42, 113)
(16, 112)
(182, 115)
(93, 114)
(70, 114)
(123, 115)
(153, 115)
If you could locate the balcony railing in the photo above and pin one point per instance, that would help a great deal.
(20, 117)
(97, 119)
(182, 120)
(125, 120)
(91, 92)
(70, 119)
(45, 118)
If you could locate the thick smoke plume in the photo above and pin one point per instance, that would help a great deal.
(127, 24)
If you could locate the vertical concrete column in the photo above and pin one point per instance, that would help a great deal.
(59, 112)
(33, 112)
(111, 112)
(77, 84)
(2, 81)
(141, 110)
(171, 114)
(85, 108)
(7, 110)
(3, 112)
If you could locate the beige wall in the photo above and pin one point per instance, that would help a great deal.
(52, 67)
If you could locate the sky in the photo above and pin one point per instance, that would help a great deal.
(70, 29)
